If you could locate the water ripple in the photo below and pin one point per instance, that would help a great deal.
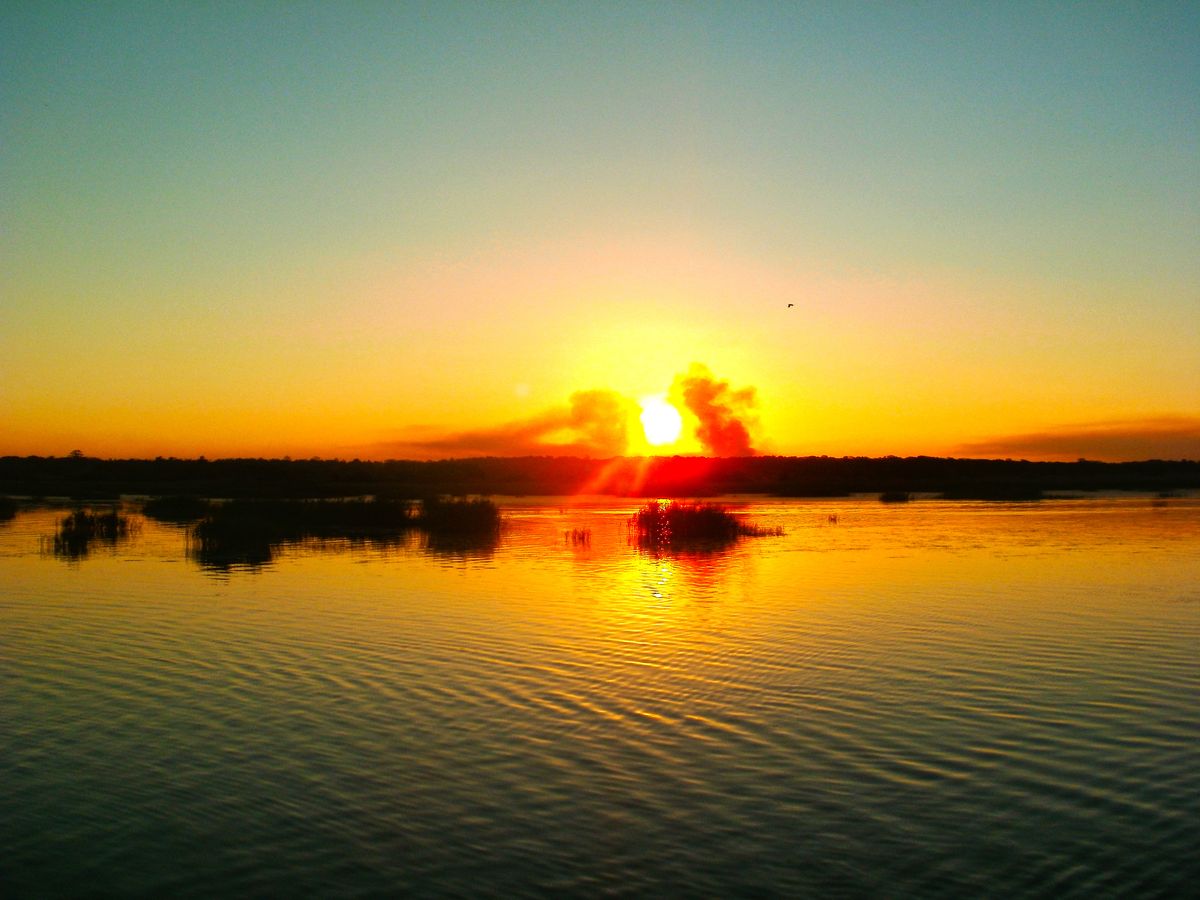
(938, 701)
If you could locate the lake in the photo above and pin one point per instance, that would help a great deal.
(923, 699)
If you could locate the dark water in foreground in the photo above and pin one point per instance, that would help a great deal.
(920, 700)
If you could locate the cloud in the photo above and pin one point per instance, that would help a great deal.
(593, 424)
(724, 414)
(599, 419)
(1161, 437)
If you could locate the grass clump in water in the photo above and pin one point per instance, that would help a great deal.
(77, 532)
(662, 525)
(248, 531)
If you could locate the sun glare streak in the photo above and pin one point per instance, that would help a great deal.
(618, 475)
(661, 421)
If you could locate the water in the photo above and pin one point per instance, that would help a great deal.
(917, 700)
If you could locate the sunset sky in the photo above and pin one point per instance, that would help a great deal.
(425, 230)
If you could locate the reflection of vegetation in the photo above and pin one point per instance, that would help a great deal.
(1000, 490)
(578, 537)
(8, 509)
(476, 517)
(895, 497)
(459, 527)
(675, 524)
(176, 509)
(462, 546)
(247, 532)
(80, 529)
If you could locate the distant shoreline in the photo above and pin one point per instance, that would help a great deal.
(782, 476)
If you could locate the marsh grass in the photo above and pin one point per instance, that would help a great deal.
(676, 524)
(247, 532)
(80, 529)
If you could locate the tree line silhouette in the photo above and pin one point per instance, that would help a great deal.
(83, 477)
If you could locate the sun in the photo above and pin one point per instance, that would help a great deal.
(660, 421)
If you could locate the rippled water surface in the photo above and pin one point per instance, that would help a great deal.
(915, 700)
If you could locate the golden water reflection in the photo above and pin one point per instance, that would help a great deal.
(891, 568)
(930, 675)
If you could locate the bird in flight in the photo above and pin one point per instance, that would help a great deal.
(790, 305)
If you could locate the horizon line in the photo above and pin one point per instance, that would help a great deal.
(287, 458)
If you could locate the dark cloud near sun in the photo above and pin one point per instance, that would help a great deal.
(1161, 437)
(594, 423)
(724, 415)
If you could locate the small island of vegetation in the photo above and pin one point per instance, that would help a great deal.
(76, 533)
(248, 531)
(659, 526)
